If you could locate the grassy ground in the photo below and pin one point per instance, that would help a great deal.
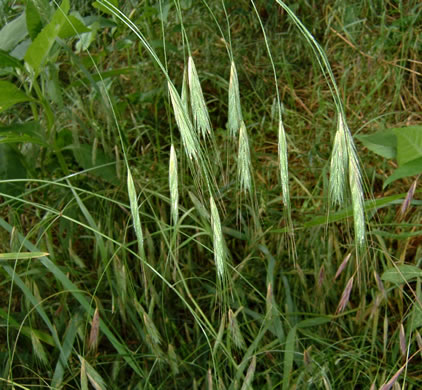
(212, 246)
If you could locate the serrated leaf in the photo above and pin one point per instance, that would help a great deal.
(401, 274)
(37, 52)
(409, 143)
(383, 143)
(412, 168)
(10, 94)
(13, 33)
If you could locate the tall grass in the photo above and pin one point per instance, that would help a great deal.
(192, 271)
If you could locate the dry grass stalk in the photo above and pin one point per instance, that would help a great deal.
(406, 203)
(269, 301)
(321, 276)
(209, 379)
(344, 300)
(95, 330)
(235, 110)
(342, 266)
(249, 375)
(189, 139)
(402, 338)
(390, 383)
(380, 284)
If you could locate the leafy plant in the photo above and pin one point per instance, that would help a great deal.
(401, 143)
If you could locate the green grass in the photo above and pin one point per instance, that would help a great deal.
(185, 205)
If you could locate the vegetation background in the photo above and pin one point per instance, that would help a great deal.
(184, 205)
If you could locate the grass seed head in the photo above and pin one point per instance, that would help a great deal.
(235, 332)
(342, 266)
(283, 164)
(218, 240)
(173, 182)
(244, 161)
(344, 300)
(189, 139)
(200, 114)
(339, 164)
(95, 329)
(235, 110)
(247, 384)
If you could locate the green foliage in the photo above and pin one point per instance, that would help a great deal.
(183, 205)
(402, 143)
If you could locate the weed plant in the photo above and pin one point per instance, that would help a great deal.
(185, 204)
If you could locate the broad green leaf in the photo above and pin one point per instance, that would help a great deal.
(54, 88)
(22, 255)
(401, 274)
(11, 167)
(409, 143)
(31, 128)
(87, 158)
(383, 143)
(20, 50)
(10, 94)
(37, 52)
(72, 26)
(411, 168)
(8, 61)
(13, 33)
(33, 19)
(13, 139)
(23, 132)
